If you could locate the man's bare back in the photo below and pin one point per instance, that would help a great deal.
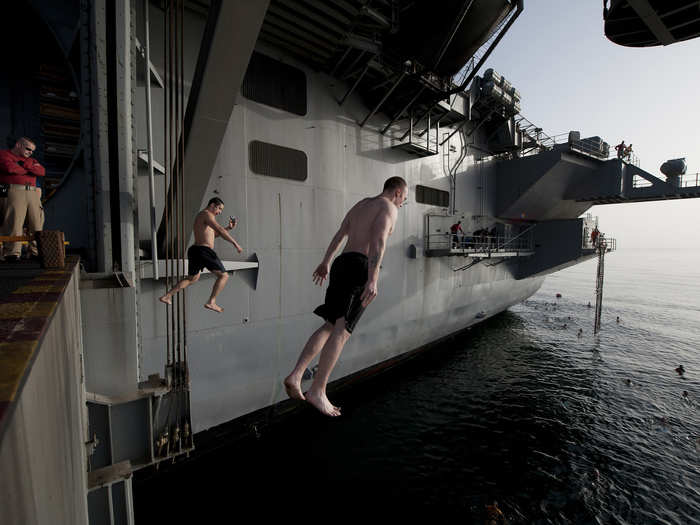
(360, 222)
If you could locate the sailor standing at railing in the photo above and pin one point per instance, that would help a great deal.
(20, 198)
(455, 229)
(621, 149)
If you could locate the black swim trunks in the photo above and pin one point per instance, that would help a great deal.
(201, 257)
(347, 281)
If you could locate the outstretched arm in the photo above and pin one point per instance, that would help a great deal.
(381, 229)
(220, 231)
(322, 269)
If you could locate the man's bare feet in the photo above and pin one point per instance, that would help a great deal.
(165, 299)
(322, 404)
(214, 306)
(293, 388)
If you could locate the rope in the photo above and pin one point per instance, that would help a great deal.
(177, 425)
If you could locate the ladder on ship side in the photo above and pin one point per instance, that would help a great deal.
(601, 248)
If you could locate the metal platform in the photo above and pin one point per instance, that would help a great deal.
(146, 267)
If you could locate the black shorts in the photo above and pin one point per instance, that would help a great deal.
(347, 281)
(201, 257)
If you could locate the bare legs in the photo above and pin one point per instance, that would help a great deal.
(167, 298)
(221, 278)
(330, 340)
(292, 384)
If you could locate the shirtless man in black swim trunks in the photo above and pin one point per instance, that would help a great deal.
(353, 285)
(202, 255)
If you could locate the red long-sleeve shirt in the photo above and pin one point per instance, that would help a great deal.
(12, 173)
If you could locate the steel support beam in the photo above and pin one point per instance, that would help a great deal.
(232, 24)
(430, 108)
(646, 12)
(384, 98)
(354, 86)
(403, 110)
(461, 87)
(455, 26)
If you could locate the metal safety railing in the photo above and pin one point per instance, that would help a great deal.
(609, 243)
(600, 150)
(480, 244)
(688, 180)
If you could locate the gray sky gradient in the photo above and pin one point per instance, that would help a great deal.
(573, 78)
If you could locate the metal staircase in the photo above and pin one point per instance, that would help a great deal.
(601, 248)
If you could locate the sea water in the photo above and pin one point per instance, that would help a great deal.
(521, 412)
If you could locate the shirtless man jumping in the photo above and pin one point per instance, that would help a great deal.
(202, 255)
(353, 285)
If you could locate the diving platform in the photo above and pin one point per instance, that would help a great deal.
(146, 267)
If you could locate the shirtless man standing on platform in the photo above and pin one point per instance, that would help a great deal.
(353, 285)
(202, 255)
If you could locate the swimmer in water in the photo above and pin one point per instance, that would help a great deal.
(618, 320)
(494, 515)
(580, 332)
(680, 370)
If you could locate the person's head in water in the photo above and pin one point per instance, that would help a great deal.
(215, 206)
(396, 190)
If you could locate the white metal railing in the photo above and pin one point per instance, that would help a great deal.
(601, 240)
(688, 180)
(592, 148)
(610, 244)
(470, 244)
(631, 158)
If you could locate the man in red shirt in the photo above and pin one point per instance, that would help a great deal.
(20, 199)
(456, 228)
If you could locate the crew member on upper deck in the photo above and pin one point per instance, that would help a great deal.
(621, 149)
(20, 198)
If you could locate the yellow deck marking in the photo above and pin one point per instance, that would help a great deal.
(22, 310)
(14, 358)
(39, 288)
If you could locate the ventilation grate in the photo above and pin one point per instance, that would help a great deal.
(274, 83)
(432, 196)
(277, 161)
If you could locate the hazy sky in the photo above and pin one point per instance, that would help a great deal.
(573, 78)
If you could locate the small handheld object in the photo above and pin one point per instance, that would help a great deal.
(233, 219)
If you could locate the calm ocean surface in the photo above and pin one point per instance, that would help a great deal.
(554, 427)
